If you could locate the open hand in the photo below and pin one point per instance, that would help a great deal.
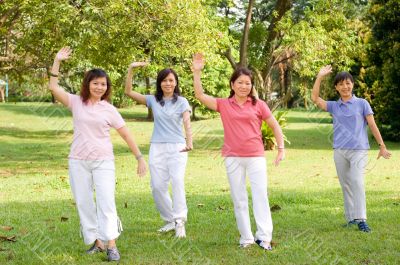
(383, 152)
(138, 64)
(141, 167)
(64, 53)
(324, 71)
(279, 157)
(198, 62)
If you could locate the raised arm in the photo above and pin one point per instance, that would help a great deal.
(197, 65)
(383, 152)
(276, 128)
(326, 70)
(139, 98)
(59, 93)
(127, 136)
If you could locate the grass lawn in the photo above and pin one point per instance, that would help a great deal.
(36, 201)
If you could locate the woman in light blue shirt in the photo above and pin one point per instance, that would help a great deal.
(169, 147)
(351, 115)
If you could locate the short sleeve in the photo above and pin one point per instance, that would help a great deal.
(149, 100)
(265, 111)
(367, 110)
(219, 103)
(329, 106)
(185, 105)
(73, 101)
(117, 121)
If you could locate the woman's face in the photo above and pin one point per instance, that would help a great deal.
(97, 87)
(345, 88)
(168, 85)
(242, 86)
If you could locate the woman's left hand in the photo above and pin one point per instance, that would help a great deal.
(141, 167)
(188, 147)
(279, 157)
(383, 152)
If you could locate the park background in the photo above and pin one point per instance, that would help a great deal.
(283, 42)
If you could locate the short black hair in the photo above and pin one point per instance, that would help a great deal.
(342, 76)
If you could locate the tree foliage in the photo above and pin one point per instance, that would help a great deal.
(107, 34)
(380, 72)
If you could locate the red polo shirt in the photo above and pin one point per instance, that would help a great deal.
(242, 126)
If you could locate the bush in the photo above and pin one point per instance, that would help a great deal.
(268, 137)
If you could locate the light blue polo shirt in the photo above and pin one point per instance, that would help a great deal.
(168, 119)
(349, 123)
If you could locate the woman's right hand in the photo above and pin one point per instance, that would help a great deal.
(138, 64)
(63, 54)
(198, 62)
(324, 71)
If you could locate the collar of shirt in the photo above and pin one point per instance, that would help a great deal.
(233, 100)
(351, 101)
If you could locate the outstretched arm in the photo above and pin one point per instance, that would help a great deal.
(383, 152)
(139, 98)
(197, 65)
(276, 128)
(315, 91)
(59, 93)
(127, 136)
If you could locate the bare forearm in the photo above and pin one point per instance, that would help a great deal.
(188, 128)
(376, 133)
(316, 88)
(198, 88)
(54, 71)
(279, 136)
(128, 81)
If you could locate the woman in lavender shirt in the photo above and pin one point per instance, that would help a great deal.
(351, 115)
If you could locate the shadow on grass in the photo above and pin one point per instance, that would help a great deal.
(44, 134)
(307, 225)
(41, 109)
(313, 138)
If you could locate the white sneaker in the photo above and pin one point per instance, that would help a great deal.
(180, 231)
(167, 227)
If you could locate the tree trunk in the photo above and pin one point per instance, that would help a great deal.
(194, 112)
(245, 37)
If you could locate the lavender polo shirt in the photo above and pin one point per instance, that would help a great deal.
(349, 123)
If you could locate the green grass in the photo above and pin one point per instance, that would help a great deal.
(35, 198)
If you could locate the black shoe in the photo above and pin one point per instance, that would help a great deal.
(264, 244)
(351, 223)
(363, 226)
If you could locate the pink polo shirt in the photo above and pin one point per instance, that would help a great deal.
(92, 125)
(242, 126)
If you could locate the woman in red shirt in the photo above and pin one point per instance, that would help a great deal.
(242, 115)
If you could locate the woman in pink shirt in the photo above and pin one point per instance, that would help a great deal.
(242, 115)
(91, 159)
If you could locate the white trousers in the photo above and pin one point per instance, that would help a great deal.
(256, 169)
(167, 165)
(350, 167)
(99, 219)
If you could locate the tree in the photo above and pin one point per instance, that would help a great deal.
(108, 34)
(380, 72)
(291, 39)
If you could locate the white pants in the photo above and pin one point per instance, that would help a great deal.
(167, 164)
(256, 169)
(350, 167)
(98, 219)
